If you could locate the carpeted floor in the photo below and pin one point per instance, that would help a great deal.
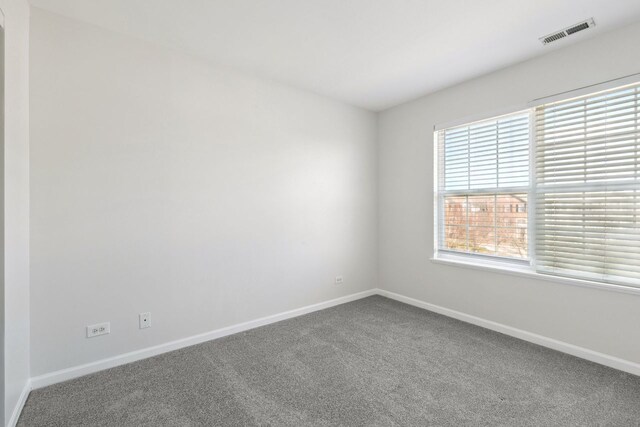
(366, 363)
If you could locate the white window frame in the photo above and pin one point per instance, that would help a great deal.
(495, 260)
(522, 268)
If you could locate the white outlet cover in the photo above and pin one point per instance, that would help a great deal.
(339, 280)
(98, 329)
(145, 320)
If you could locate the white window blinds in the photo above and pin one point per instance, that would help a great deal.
(486, 155)
(588, 187)
(483, 187)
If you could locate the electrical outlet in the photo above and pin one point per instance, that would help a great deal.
(145, 320)
(98, 329)
(339, 280)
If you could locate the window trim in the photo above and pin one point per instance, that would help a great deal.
(522, 268)
(585, 90)
(438, 200)
(512, 269)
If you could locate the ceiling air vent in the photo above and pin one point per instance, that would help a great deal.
(557, 35)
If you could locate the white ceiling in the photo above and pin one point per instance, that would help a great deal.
(369, 53)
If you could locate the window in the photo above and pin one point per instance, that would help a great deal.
(564, 174)
(484, 187)
(587, 187)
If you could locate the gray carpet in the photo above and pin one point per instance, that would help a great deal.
(370, 362)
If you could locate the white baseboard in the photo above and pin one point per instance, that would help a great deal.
(574, 350)
(17, 410)
(89, 368)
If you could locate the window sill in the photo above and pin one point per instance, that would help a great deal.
(524, 271)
